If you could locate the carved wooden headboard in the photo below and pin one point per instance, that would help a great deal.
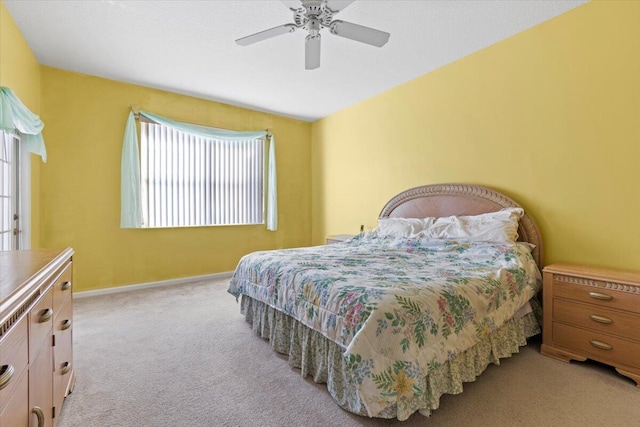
(440, 200)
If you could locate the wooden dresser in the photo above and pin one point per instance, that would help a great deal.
(592, 313)
(36, 315)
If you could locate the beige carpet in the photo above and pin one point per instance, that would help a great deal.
(184, 356)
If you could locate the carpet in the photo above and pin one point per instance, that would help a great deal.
(183, 355)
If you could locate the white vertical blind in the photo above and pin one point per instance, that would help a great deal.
(188, 180)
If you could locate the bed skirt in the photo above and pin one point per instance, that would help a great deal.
(321, 358)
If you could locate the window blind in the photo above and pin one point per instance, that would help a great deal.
(189, 180)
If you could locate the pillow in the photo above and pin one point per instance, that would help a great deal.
(402, 227)
(498, 227)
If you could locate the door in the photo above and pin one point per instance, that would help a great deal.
(10, 233)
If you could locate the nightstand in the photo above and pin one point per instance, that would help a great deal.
(337, 238)
(592, 313)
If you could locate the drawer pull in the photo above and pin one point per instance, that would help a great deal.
(66, 285)
(65, 325)
(598, 295)
(600, 344)
(66, 367)
(5, 377)
(44, 317)
(600, 319)
(38, 413)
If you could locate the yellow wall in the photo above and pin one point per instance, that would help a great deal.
(550, 116)
(20, 71)
(80, 185)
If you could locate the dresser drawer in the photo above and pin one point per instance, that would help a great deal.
(602, 297)
(14, 410)
(590, 343)
(607, 321)
(62, 330)
(40, 321)
(62, 352)
(14, 355)
(62, 288)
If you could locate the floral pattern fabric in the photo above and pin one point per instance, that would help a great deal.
(323, 359)
(397, 307)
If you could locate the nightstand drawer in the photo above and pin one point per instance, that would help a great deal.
(594, 317)
(596, 295)
(601, 346)
(337, 238)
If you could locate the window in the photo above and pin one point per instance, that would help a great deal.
(189, 180)
(9, 192)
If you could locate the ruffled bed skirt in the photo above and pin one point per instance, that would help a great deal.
(322, 359)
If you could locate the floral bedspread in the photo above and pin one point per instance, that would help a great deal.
(396, 305)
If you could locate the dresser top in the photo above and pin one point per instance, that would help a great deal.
(628, 277)
(21, 271)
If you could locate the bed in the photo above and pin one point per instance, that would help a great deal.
(394, 318)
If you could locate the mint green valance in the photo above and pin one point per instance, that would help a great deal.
(203, 131)
(15, 116)
(131, 202)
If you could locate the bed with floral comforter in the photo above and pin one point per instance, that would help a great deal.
(391, 323)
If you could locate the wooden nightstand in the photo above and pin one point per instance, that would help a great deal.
(336, 238)
(592, 313)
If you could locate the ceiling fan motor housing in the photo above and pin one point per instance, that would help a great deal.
(315, 11)
(313, 7)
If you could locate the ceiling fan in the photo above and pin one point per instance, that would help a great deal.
(314, 15)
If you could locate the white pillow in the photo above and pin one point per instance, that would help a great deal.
(402, 227)
(499, 227)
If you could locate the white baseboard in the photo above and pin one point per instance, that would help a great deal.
(127, 288)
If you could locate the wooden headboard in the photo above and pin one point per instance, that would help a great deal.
(440, 200)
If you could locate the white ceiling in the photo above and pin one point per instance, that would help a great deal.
(188, 46)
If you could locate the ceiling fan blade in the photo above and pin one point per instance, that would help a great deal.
(312, 52)
(359, 33)
(338, 5)
(266, 34)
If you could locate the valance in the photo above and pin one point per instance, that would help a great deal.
(203, 131)
(131, 202)
(15, 116)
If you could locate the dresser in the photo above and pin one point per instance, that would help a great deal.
(36, 327)
(592, 313)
